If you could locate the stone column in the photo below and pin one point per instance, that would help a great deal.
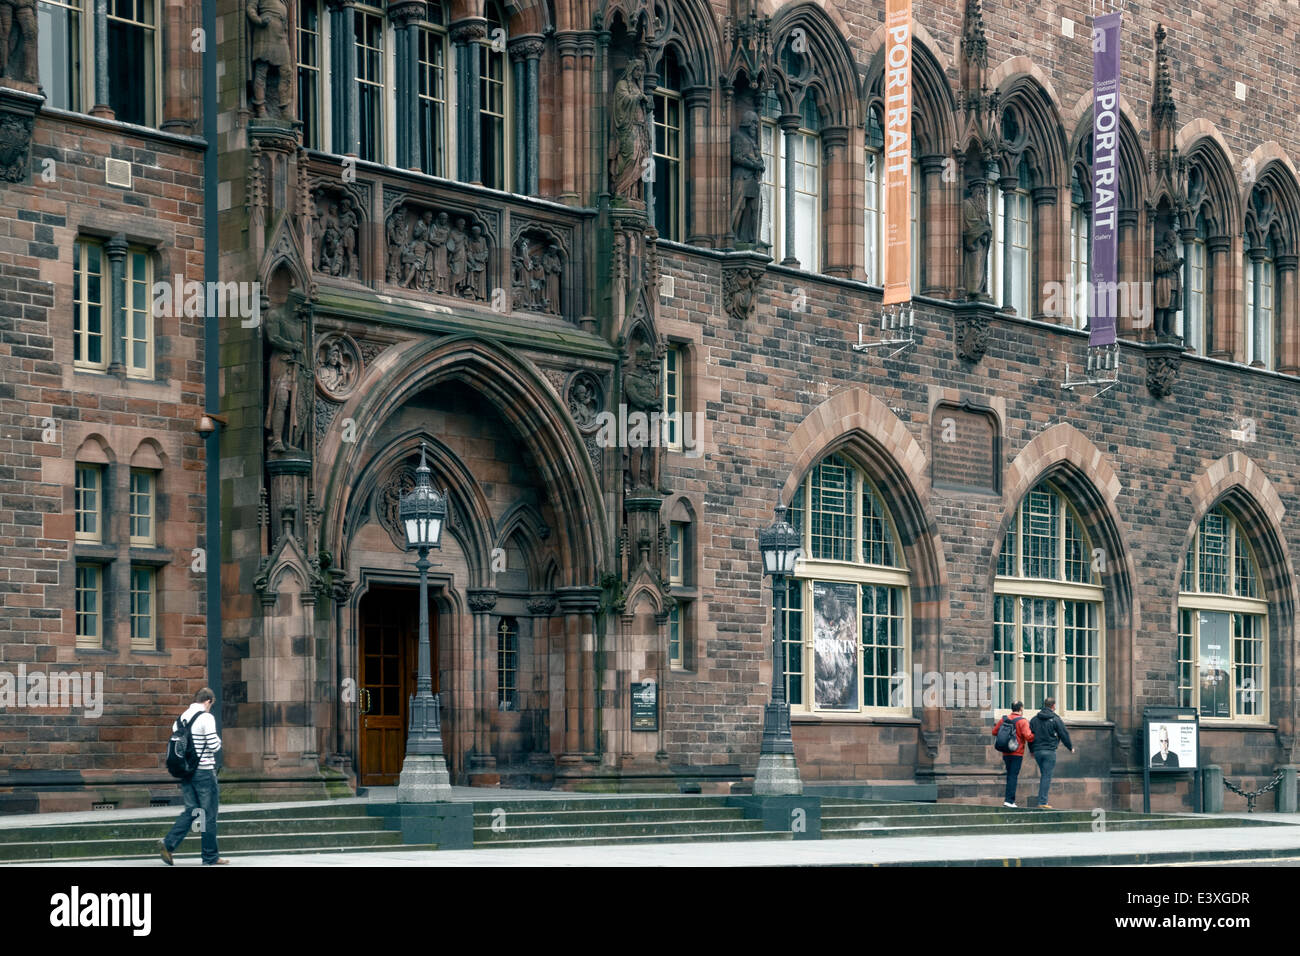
(346, 129)
(789, 123)
(1129, 271)
(101, 108)
(178, 104)
(482, 763)
(1008, 186)
(1256, 331)
(566, 44)
(1284, 315)
(525, 52)
(936, 238)
(579, 605)
(592, 137)
(466, 34)
(406, 18)
(1045, 259)
(842, 222)
(1220, 335)
(701, 188)
(116, 250)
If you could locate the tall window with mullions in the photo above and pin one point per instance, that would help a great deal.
(433, 93)
(58, 33)
(369, 37)
(493, 102)
(309, 72)
(668, 149)
(133, 60)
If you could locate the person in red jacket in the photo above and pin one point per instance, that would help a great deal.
(1013, 760)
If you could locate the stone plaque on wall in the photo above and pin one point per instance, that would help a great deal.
(965, 448)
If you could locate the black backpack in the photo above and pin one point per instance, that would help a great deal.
(182, 758)
(1008, 741)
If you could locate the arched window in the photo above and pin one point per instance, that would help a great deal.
(1261, 273)
(494, 97)
(1080, 250)
(805, 185)
(848, 608)
(1047, 622)
(1222, 624)
(668, 114)
(875, 206)
(1013, 242)
(1191, 320)
(433, 91)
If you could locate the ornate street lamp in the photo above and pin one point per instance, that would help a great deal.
(422, 513)
(777, 773)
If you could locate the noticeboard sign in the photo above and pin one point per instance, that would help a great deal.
(1172, 736)
(645, 705)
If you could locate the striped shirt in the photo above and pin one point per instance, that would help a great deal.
(204, 732)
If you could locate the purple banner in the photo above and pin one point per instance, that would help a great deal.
(1105, 179)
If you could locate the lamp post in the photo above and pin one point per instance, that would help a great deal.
(422, 513)
(777, 773)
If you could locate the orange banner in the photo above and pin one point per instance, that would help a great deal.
(898, 151)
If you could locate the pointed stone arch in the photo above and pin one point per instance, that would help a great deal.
(828, 71)
(1210, 159)
(933, 105)
(1133, 167)
(1026, 94)
(695, 37)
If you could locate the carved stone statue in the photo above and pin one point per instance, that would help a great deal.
(1169, 293)
(283, 418)
(435, 264)
(458, 258)
(746, 179)
(348, 225)
(272, 58)
(18, 59)
(584, 403)
(413, 253)
(15, 146)
(521, 269)
(631, 146)
(398, 232)
(641, 381)
(553, 265)
(336, 367)
(476, 259)
(976, 234)
(331, 242)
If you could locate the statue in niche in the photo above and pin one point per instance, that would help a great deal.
(553, 265)
(413, 253)
(521, 268)
(399, 234)
(283, 418)
(458, 257)
(631, 133)
(348, 225)
(18, 51)
(435, 262)
(584, 403)
(317, 232)
(476, 258)
(331, 243)
(746, 179)
(336, 368)
(271, 58)
(976, 234)
(1168, 266)
(641, 381)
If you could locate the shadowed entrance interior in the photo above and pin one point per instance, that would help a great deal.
(389, 665)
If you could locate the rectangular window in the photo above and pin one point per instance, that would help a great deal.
(676, 557)
(1038, 532)
(1214, 554)
(433, 102)
(882, 644)
(1007, 556)
(1248, 660)
(875, 211)
(1082, 657)
(877, 540)
(997, 215)
(1215, 633)
(1018, 255)
(1080, 266)
(668, 164)
(90, 345)
(675, 617)
(492, 114)
(132, 60)
(768, 231)
(144, 613)
(139, 315)
(1186, 658)
(1038, 638)
(142, 508)
(309, 64)
(508, 664)
(89, 502)
(59, 52)
(1078, 567)
(807, 200)
(1193, 328)
(90, 606)
(1004, 648)
(793, 641)
(672, 392)
(1265, 320)
(1244, 582)
(368, 29)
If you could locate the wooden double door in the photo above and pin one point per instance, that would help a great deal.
(389, 665)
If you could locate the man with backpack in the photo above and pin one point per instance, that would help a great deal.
(191, 757)
(1011, 733)
(1047, 731)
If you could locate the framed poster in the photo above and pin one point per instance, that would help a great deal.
(1172, 738)
(1216, 644)
(645, 705)
(835, 645)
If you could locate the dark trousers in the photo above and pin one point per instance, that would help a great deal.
(1046, 765)
(1013, 775)
(200, 814)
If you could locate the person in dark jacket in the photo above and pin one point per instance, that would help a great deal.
(1048, 732)
(1013, 760)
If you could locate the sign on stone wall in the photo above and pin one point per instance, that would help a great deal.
(965, 448)
(645, 705)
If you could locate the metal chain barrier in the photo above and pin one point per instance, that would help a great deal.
(1252, 797)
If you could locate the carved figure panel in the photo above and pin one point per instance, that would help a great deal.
(338, 365)
(272, 60)
(440, 252)
(335, 232)
(537, 264)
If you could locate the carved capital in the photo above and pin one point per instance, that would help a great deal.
(406, 13)
(469, 30)
(541, 606)
(526, 47)
(742, 278)
(1163, 363)
(483, 601)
